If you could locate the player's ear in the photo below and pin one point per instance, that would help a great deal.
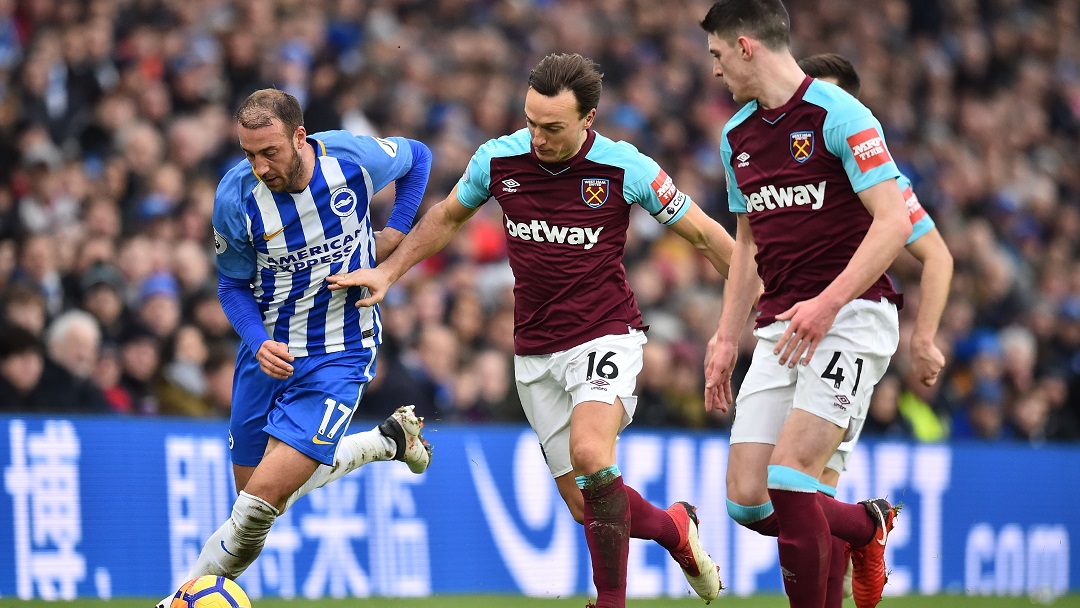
(590, 117)
(299, 137)
(746, 49)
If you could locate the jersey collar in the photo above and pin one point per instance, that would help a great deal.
(773, 116)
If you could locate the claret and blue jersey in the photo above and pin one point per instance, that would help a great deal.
(286, 244)
(796, 172)
(566, 229)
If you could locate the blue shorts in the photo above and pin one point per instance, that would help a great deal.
(309, 411)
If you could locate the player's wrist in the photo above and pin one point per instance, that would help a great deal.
(922, 340)
(833, 300)
(724, 338)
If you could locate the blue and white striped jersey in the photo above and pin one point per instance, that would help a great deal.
(286, 244)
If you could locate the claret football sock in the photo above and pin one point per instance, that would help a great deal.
(238, 541)
(804, 542)
(650, 522)
(847, 521)
(607, 533)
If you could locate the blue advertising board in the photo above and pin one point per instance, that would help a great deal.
(114, 507)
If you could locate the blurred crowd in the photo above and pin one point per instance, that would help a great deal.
(116, 124)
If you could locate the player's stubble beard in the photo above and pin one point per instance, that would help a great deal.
(290, 179)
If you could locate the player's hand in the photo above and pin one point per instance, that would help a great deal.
(375, 280)
(810, 321)
(274, 359)
(720, 356)
(927, 360)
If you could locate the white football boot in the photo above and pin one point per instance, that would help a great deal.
(403, 426)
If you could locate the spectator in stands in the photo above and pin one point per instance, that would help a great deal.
(72, 344)
(102, 288)
(983, 416)
(24, 306)
(484, 392)
(38, 269)
(73, 341)
(1030, 416)
(181, 389)
(218, 371)
(21, 364)
(140, 361)
(159, 304)
(107, 378)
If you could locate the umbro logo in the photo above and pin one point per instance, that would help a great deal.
(842, 402)
(510, 185)
(744, 160)
(600, 383)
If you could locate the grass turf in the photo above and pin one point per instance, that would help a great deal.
(512, 601)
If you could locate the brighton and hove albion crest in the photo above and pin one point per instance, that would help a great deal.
(343, 202)
(594, 191)
(802, 145)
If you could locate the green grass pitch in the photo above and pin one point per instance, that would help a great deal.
(512, 601)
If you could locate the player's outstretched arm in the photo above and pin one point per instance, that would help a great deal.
(740, 292)
(811, 319)
(434, 231)
(937, 270)
(386, 241)
(707, 236)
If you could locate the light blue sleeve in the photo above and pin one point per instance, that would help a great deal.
(920, 228)
(853, 135)
(736, 200)
(644, 182)
(921, 222)
(232, 235)
(386, 159)
(474, 187)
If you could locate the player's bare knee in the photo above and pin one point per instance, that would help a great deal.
(747, 488)
(589, 459)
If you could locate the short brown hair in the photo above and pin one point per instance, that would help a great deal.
(765, 20)
(560, 72)
(831, 65)
(264, 105)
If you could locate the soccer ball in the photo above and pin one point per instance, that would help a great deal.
(211, 592)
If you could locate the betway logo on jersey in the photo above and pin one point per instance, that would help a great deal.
(869, 149)
(771, 197)
(542, 232)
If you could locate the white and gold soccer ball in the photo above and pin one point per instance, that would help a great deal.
(211, 592)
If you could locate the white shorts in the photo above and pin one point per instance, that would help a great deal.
(550, 386)
(837, 384)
